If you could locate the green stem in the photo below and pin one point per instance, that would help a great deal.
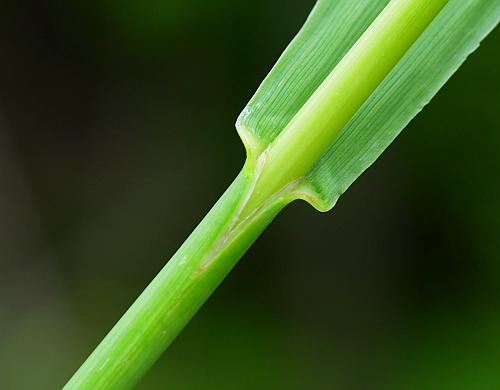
(178, 291)
(261, 190)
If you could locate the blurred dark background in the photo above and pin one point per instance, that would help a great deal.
(117, 136)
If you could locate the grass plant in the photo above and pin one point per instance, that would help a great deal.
(349, 82)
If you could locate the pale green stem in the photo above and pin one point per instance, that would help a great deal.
(342, 93)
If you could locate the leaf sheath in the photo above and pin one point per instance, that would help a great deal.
(177, 292)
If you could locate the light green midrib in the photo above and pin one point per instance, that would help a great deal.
(340, 95)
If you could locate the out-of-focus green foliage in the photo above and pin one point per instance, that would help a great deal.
(88, 139)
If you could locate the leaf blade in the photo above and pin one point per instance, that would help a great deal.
(424, 69)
